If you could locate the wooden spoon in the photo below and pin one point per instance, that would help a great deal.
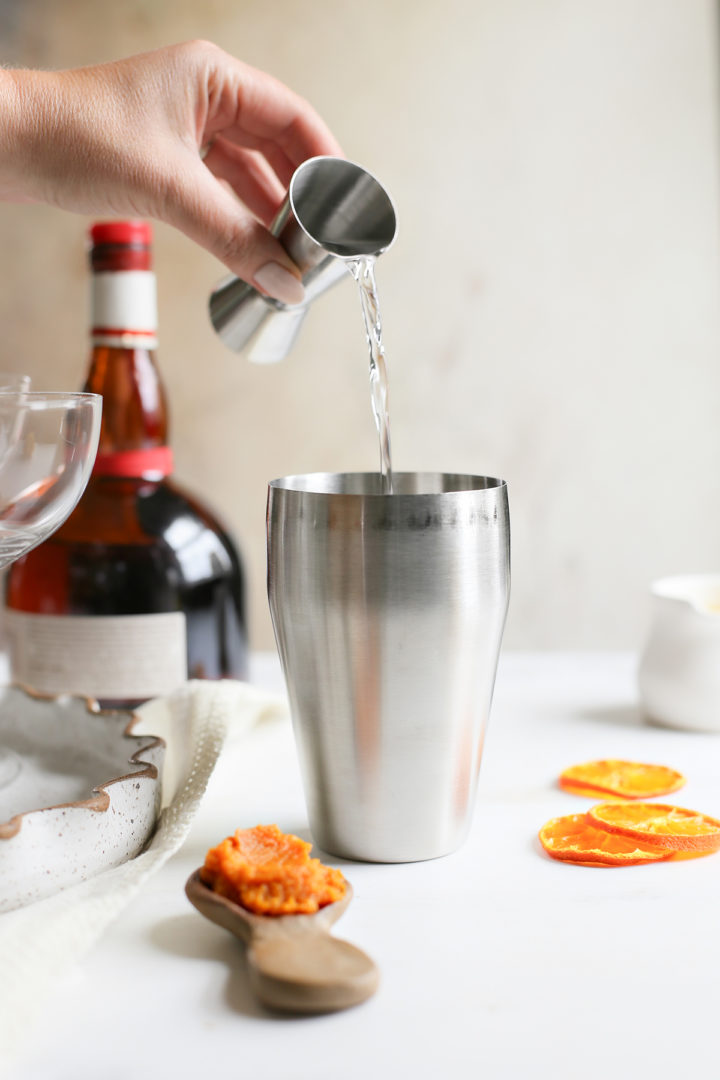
(295, 964)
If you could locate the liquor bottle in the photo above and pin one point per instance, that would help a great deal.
(141, 587)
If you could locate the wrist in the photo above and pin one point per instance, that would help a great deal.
(9, 136)
(43, 147)
(23, 113)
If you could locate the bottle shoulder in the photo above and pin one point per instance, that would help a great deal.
(196, 505)
(131, 513)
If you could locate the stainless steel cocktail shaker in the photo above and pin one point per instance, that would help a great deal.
(334, 211)
(388, 613)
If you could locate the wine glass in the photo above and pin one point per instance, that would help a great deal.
(48, 443)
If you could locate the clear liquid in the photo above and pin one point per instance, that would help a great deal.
(363, 270)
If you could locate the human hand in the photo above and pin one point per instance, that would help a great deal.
(127, 138)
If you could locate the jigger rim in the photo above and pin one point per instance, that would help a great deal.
(344, 163)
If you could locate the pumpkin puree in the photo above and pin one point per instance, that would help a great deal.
(271, 873)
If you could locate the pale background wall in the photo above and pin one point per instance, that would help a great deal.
(550, 305)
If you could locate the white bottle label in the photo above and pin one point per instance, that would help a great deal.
(112, 657)
(124, 308)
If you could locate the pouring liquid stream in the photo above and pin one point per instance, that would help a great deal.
(363, 271)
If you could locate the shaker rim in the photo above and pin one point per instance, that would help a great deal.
(368, 484)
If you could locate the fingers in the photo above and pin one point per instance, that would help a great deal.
(200, 206)
(249, 176)
(282, 165)
(254, 110)
(272, 112)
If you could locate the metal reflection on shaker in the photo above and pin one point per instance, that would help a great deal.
(388, 613)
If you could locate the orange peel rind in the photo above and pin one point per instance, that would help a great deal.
(573, 838)
(271, 873)
(673, 828)
(626, 779)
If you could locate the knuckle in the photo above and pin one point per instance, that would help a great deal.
(232, 246)
(199, 50)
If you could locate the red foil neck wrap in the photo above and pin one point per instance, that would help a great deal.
(151, 463)
(123, 339)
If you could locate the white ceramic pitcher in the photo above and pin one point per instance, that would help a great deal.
(679, 674)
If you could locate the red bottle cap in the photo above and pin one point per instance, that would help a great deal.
(122, 232)
(120, 245)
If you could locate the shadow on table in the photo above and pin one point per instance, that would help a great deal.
(320, 853)
(616, 715)
(194, 938)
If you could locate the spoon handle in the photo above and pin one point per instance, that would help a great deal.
(294, 963)
(309, 972)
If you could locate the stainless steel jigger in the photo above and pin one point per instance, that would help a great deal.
(334, 211)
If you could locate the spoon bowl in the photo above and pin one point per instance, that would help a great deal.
(295, 964)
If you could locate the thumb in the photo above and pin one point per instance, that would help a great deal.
(205, 210)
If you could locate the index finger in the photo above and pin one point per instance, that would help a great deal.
(255, 110)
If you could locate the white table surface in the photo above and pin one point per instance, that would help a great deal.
(496, 962)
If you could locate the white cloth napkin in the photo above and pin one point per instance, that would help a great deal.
(40, 942)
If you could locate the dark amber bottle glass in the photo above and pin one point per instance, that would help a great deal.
(142, 586)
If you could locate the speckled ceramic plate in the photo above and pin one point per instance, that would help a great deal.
(81, 792)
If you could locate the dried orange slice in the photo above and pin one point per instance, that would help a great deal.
(574, 839)
(628, 779)
(671, 827)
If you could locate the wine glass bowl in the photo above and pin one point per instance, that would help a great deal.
(48, 443)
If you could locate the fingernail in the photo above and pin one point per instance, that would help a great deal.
(278, 282)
